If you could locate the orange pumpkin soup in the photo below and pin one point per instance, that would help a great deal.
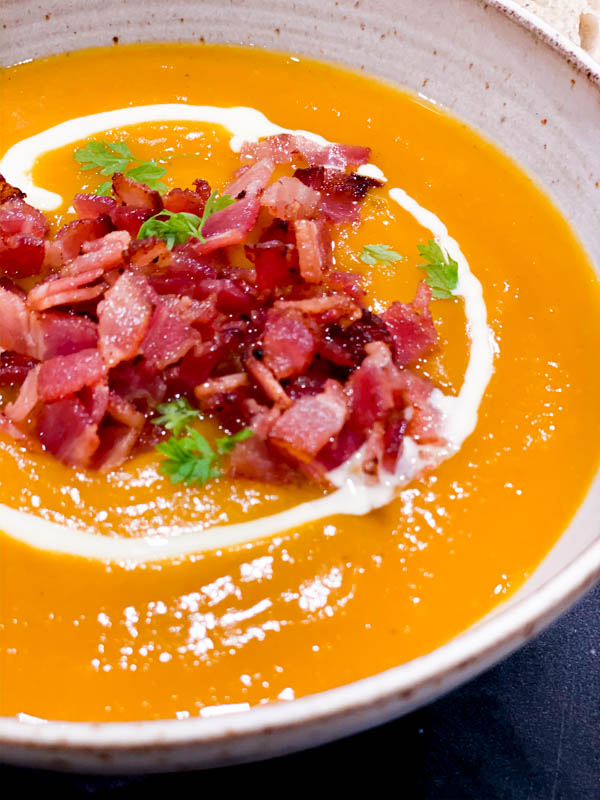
(326, 602)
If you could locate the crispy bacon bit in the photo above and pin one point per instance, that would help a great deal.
(19, 218)
(67, 431)
(290, 199)
(224, 384)
(168, 337)
(137, 195)
(98, 257)
(8, 192)
(281, 148)
(277, 342)
(178, 200)
(314, 249)
(311, 422)
(411, 327)
(341, 194)
(268, 383)
(123, 319)
(14, 368)
(289, 344)
(251, 181)
(27, 399)
(21, 255)
(71, 236)
(276, 264)
(229, 226)
(64, 375)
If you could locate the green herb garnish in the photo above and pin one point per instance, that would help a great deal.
(177, 228)
(111, 157)
(175, 415)
(172, 227)
(226, 443)
(440, 268)
(189, 458)
(379, 254)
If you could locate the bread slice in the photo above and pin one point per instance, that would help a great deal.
(579, 20)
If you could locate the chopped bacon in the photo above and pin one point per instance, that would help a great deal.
(289, 344)
(290, 199)
(229, 226)
(128, 192)
(123, 319)
(14, 368)
(15, 324)
(281, 148)
(340, 194)
(123, 411)
(130, 219)
(425, 420)
(371, 388)
(251, 181)
(8, 192)
(224, 384)
(116, 444)
(8, 428)
(253, 459)
(276, 264)
(332, 306)
(18, 217)
(67, 431)
(314, 249)
(90, 206)
(64, 375)
(267, 382)
(21, 255)
(59, 334)
(71, 236)
(144, 254)
(168, 338)
(311, 422)
(27, 399)
(178, 200)
(411, 327)
(98, 257)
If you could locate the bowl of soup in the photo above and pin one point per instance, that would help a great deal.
(346, 454)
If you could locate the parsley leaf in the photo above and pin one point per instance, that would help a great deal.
(181, 226)
(226, 443)
(175, 415)
(149, 172)
(177, 228)
(108, 157)
(111, 157)
(440, 268)
(379, 254)
(189, 459)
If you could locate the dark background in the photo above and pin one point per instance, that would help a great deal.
(529, 729)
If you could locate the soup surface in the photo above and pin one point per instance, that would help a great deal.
(331, 601)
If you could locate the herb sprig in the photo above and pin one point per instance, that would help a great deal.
(189, 458)
(177, 227)
(379, 254)
(111, 157)
(441, 270)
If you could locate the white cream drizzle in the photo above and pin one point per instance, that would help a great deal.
(353, 495)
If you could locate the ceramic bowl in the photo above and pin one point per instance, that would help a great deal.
(525, 87)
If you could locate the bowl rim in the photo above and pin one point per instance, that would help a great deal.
(462, 657)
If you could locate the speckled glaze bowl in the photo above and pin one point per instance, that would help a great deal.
(525, 87)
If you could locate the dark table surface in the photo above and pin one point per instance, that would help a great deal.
(529, 729)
